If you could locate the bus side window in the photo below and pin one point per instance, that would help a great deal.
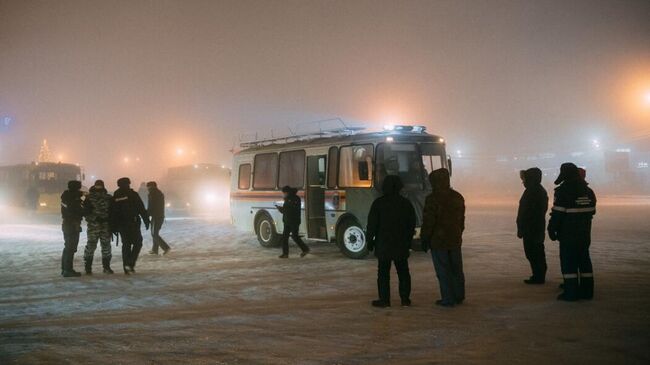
(265, 172)
(355, 166)
(332, 169)
(292, 169)
(244, 177)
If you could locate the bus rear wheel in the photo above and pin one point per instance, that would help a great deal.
(265, 229)
(352, 240)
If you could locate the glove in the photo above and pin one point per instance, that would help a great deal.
(520, 234)
(426, 244)
(552, 235)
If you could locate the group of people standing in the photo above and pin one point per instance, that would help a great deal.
(109, 216)
(392, 221)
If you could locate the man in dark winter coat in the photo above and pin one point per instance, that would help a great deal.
(72, 212)
(156, 210)
(574, 206)
(291, 210)
(97, 211)
(391, 225)
(443, 223)
(127, 210)
(531, 223)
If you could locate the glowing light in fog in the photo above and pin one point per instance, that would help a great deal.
(126, 160)
(595, 143)
(647, 98)
(210, 198)
(180, 151)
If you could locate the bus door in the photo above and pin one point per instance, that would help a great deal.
(315, 197)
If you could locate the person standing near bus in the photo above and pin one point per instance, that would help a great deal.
(127, 213)
(291, 210)
(97, 209)
(443, 223)
(72, 211)
(531, 223)
(156, 211)
(391, 225)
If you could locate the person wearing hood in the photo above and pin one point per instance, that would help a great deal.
(291, 209)
(443, 223)
(97, 209)
(531, 223)
(72, 212)
(574, 206)
(127, 214)
(391, 225)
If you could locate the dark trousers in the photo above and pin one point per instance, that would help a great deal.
(577, 270)
(449, 270)
(383, 279)
(534, 249)
(292, 230)
(71, 242)
(131, 244)
(156, 224)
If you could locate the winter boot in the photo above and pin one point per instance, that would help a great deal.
(71, 274)
(380, 303)
(586, 289)
(570, 293)
(88, 265)
(68, 271)
(106, 263)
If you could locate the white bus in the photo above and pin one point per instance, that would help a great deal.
(338, 174)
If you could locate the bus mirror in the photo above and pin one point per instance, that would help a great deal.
(364, 171)
(449, 165)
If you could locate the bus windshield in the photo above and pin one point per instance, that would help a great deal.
(410, 161)
(403, 160)
(433, 157)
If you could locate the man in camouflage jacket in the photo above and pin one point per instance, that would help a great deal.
(98, 206)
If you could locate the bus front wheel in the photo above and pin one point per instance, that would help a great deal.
(352, 240)
(265, 229)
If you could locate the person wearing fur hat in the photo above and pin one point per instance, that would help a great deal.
(531, 223)
(291, 210)
(127, 213)
(573, 209)
(72, 212)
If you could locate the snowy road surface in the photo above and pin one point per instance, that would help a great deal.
(220, 298)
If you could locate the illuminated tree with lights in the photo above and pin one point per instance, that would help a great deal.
(44, 155)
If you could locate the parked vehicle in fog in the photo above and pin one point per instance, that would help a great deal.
(338, 174)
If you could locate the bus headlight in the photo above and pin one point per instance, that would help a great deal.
(42, 204)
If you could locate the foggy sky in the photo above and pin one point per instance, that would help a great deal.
(103, 80)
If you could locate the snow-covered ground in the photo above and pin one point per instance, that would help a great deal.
(220, 298)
